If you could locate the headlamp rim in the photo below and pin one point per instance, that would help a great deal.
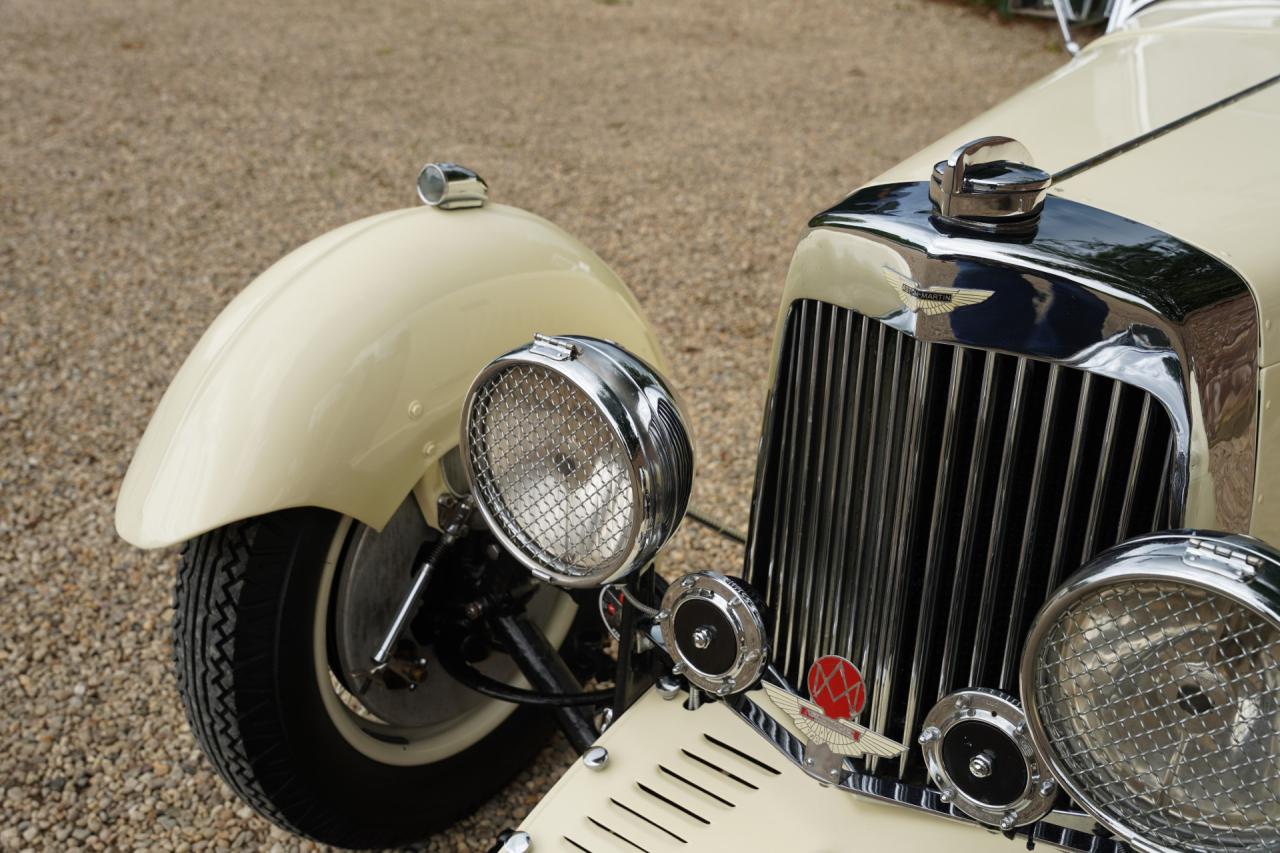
(1157, 557)
(621, 387)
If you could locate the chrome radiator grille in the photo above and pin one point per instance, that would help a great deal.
(918, 501)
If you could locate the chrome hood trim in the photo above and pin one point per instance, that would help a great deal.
(1090, 290)
(1155, 133)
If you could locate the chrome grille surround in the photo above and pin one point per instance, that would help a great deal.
(1091, 296)
(1152, 684)
(578, 458)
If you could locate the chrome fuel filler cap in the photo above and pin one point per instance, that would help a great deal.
(990, 187)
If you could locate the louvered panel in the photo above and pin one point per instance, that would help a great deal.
(918, 502)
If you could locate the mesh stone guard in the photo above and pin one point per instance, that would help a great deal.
(1152, 686)
(578, 458)
(529, 423)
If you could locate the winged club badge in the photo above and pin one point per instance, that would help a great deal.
(932, 300)
(837, 695)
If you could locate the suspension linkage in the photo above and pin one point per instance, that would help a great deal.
(454, 530)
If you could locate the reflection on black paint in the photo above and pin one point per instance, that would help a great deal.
(1059, 322)
(1156, 268)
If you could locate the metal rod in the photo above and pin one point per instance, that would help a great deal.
(449, 654)
(1061, 12)
(717, 526)
(409, 605)
(540, 662)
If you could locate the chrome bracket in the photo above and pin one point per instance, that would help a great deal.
(1068, 830)
(513, 842)
(1215, 556)
(553, 348)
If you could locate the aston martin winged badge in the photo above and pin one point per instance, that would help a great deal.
(932, 300)
(837, 694)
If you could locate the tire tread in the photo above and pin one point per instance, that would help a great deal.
(243, 600)
(209, 601)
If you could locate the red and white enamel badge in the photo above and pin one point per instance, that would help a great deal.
(838, 694)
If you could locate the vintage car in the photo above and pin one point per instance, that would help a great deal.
(1011, 576)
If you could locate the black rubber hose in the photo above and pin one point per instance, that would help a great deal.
(450, 657)
(540, 662)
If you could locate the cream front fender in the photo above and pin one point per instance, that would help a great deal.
(336, 378)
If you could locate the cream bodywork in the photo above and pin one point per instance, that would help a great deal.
(784, 811)
(1214, 183)
(336, 378)
(303, 391)
(1147, 73)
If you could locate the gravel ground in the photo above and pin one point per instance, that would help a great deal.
(155, 155)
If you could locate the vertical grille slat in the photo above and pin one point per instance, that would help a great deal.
(918, 501)
(1102, 481)
(851, 500)
(867, 561)
(968, 528)
(828, 613)
(933, 552)
(1074, 460)
(999, 523)
(797, 521)
(1135, 465)
(891, 629)
(881, 555)
(822, 374)
(1013, 637)
(792, 414)
(1161, 517)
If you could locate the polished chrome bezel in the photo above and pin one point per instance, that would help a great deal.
(629, 396)
(1001, 712)
(731, 599)
(1237, 567)
(1010, 204)
(449, 186)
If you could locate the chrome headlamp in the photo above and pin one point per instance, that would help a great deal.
(1152, 690)
(578, 458)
